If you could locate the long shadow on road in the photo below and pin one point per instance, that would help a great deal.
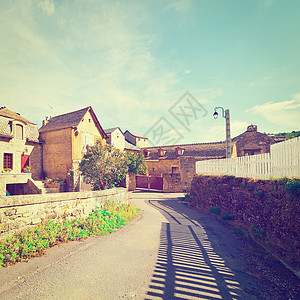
(200, 258)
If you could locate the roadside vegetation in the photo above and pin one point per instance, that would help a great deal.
(105, 166)
(33, 242)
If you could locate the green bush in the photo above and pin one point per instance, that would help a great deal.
(293, 188)
(33, 242)
(214, 210)
(226, 216)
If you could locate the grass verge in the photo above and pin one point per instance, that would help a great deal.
(33, 242)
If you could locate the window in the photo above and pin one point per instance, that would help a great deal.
(8, 161)
(87, 139)
(175, 170)
(179, 151)
(251, 152)
(19, 132)
(146, 153)
(161, 152)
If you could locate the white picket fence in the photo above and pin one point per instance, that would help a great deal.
(282, 161)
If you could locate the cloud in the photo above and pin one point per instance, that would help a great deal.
(180, 5)
(284, 113)
(48, 6)
(265, 3)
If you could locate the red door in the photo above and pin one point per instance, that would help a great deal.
(149, 182)
(142, 181)
(24, 162)
(156, 183)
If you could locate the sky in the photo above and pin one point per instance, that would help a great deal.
(158, 68)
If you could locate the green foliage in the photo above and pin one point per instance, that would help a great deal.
(289, 135)
(136, 163)
(226, 216)
(214, 210)
(33, 242)
(293, 188)
(103, 165)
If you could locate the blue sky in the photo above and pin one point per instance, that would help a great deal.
(134, 60)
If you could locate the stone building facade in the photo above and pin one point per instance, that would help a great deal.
(64, 141)
(18, 137)
(251, 142)
(176, 163)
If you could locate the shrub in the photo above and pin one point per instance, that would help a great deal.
(33, 242)
(293, 188)
(214, 210)
(226, 216)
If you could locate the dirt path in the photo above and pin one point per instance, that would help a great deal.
(170, 252)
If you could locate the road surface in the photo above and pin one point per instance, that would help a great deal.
(169, 252)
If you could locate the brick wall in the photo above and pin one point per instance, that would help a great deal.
(264, 209)
(21, 212)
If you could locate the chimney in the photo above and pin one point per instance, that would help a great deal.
(252, 128)
(46, 121)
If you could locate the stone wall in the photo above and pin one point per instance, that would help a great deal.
(131, 181)
(57, 152)
(266, 210)
(160, 167)
(172, 183)
(36, 161)
(21, 212)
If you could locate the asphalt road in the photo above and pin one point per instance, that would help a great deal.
(169, 252)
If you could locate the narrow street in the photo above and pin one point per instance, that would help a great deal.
(169, 252)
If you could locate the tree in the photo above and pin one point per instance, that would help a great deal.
(136, 163)
(103, 165)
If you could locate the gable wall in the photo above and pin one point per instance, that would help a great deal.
(253, 140)
(87, 125)
(118, 139)
(57, 152)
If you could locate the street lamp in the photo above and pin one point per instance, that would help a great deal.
(225, 115)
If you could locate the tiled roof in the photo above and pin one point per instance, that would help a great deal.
(64, 121)
(4, 112)
(110, 130)
(200, 150)
(135, 134)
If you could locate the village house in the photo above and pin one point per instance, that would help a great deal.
(18, 137)
(117, 139)
(176, 163)
(251, 142)
(65, 140)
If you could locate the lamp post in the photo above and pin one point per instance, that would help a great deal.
(225, 115)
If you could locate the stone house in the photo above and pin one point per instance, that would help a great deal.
(18, 137)
(251, 142)
(176, 163)
(64, 142)
(117, 138)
